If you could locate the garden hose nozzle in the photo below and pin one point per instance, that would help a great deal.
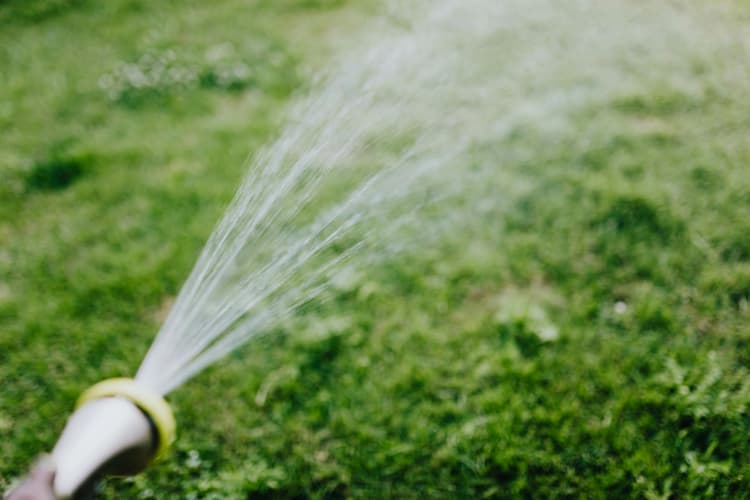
(119, 427)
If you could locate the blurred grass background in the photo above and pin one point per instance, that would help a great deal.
(590, 340)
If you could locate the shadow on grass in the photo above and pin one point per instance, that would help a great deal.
(56, 173)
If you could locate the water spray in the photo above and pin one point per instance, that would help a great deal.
(118, 428)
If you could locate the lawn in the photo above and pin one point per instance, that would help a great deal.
(587, 337)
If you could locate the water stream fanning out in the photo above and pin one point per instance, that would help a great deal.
(389, 129)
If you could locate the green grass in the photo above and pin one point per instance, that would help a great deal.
(589, 339)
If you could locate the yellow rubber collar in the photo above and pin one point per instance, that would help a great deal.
(150, 403)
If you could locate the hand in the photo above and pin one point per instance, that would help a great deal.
(38, 484)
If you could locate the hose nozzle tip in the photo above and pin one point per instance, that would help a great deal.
(119, 427)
